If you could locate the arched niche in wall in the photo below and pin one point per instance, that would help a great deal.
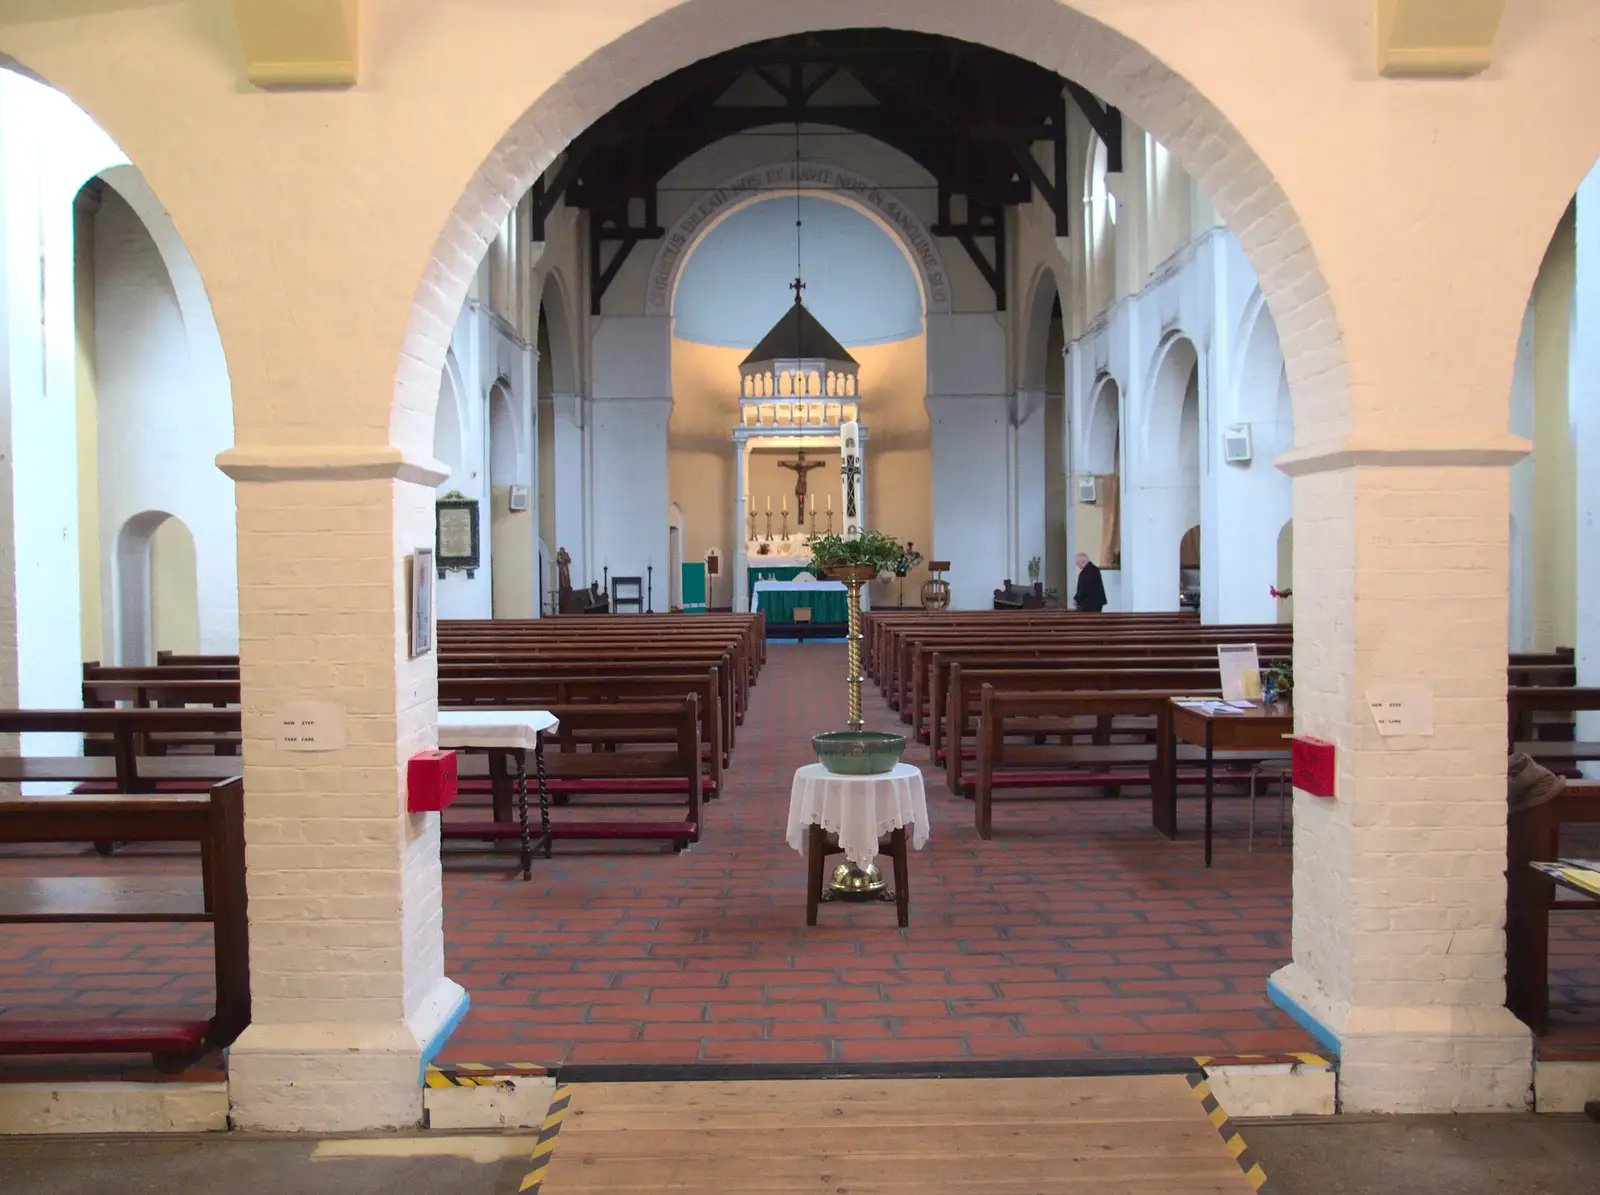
(157, 588)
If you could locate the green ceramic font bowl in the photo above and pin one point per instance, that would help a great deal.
(859, 752)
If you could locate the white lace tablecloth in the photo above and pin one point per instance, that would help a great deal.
(860, 810)
(493, 728)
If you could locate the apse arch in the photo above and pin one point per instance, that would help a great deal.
(738, 281)
(1205, 142)
(817, 180)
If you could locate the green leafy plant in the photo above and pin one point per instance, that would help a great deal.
(871, 549)
(1033, 569)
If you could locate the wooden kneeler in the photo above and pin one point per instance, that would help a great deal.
(821, 844)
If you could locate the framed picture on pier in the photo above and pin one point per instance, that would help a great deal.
(419, 597)
(456, 533)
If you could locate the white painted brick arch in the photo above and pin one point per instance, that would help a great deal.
(1044, 31)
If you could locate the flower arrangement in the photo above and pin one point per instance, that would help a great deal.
(1034, 566)
(1278, 683)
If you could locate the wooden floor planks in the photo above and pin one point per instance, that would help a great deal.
(1115, 1135)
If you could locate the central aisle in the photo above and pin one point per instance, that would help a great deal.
(1075, 933)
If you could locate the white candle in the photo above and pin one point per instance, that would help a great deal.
(786, 504)
(830, 503)
(813, 504)
(769, 503)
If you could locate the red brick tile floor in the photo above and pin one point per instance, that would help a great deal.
(1077, 932)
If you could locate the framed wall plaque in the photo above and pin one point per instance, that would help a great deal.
(420, 597)
(456, 534)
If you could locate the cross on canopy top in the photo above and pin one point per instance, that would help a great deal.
(797, 286)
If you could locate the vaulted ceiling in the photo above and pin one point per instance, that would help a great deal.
(969, 115)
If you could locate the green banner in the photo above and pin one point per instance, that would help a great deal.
(693, 588)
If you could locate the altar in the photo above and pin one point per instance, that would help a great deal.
(799, 413)
(779, 601)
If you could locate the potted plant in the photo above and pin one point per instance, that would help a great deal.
(1278, 684)
(1034, 566)
(862, 559)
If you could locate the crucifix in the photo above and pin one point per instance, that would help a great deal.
(801, 467)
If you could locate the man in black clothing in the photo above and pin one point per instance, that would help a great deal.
(1091, 595)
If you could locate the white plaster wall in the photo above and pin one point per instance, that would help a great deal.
(483, 350)
(1584, 399)
(1523, 613)
(48, 149)
(1208, 294)
(165, 412)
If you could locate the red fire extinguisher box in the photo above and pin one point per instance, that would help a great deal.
(1311, 764)
(431, 781)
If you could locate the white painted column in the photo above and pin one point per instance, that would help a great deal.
(1584, 406)
(741, 516)
(571, 454)
(971, 500)
(349, 994)
(630, 490)
(1399, 885)
(1029, 485)
(528, 414)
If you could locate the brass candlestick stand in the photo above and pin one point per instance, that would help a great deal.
(850, 882)
(769, 526)
(752, 524)
(784, 533)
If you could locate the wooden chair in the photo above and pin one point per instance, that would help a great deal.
(820, 844)
(1535, 835)
(627, 593)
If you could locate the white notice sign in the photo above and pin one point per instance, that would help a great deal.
(1239, 666)
(1402, 710)
(311, 726)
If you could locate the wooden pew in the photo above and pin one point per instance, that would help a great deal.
(640, 768)
(548, 692)
(126, 762)
(1535, 835)
(903, 670)
(966, 688)
(929, 698)
(215, 896)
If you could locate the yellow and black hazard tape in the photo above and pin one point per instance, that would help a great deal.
(545, 1148)
(481, 1074)
(1259, 1059)
(1254, 1175)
